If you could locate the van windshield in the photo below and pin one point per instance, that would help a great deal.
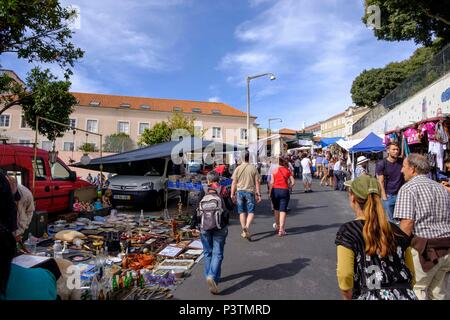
(153, 172)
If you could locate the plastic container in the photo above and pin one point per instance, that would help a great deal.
(57, 250)
(31, 244)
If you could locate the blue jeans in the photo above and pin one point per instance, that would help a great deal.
(213, 244)
(389, 206)
(246, 202)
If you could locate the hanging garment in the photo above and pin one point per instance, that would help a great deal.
(405, 148)
(430, 129)
(437, 149)
(412, 136)
(441, 134)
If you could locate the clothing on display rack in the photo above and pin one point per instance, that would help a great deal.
(430, 129)
(437, 149)
(441, 133)
(412, 136)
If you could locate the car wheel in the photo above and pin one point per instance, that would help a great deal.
(159, 201)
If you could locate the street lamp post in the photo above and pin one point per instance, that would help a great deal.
(273, 119)
(272, 77)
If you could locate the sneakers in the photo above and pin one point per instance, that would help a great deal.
(213, 288)
(245, 234)
(275, 226)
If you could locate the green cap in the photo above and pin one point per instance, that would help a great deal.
(363, 186)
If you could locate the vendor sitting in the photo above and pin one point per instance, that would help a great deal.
(18, 283)
(77, 205)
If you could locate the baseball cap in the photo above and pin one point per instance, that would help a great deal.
(363, 186)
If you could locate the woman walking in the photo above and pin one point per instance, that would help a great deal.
(374, 261)
(326, 162)
(280, 184)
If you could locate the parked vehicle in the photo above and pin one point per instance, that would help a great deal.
(143, 191)
(54, 182)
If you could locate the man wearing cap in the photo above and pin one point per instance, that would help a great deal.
(361, 166)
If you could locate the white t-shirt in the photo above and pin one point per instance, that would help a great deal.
(298, 163)
(306, 165)
(337, 166)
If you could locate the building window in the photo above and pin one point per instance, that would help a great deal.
(143, 126)
(91, 125)
(196, 110)
(145, 106)
(177, 109)
(216, 112)
(123, 127)
(217, 132)
(23, 123)
(68, 146)
(24, 141)
(125, 105)
(73, 123)
(5, 120)
(94, 103)
(47, 145)
(243, 134)
(198, 129)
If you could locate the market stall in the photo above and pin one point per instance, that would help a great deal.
(429, 137)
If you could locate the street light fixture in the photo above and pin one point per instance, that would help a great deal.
(271, 77)
(273, 119)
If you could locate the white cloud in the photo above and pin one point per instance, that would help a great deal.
(214, 99)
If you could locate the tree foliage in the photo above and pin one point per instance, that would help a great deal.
(162, 131)
(87, 147)
(118, 142)
(374, 84)
(37, 31)
(420, 20)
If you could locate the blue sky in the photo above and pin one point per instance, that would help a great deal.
(204, 49)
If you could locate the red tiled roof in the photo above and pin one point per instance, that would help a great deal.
(156, 104)
(287, 131)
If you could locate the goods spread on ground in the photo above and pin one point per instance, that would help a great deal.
(125, 256)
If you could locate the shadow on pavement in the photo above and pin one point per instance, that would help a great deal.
(311, 228)
(276, 272)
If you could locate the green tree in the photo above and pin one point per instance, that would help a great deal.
(162, 131)
(420, 20)
(372, 85)
(87, 147)
(159, 133)
(37, 31)
(118, 142)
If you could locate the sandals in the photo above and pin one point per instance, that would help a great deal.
(281, 233)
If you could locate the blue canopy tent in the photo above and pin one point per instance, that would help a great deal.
(325, 142)
(371, 143)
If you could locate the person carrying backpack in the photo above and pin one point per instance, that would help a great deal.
(212, 219)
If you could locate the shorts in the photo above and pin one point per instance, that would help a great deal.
(307, 177)
(246, 202)
(331, 173)
(280, 199)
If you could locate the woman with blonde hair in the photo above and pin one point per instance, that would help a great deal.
(374, 261)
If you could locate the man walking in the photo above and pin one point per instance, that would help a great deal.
(389, 174)
(213, 236)
(245, 190)
(297, 165)
(423, 207)
(307, 172)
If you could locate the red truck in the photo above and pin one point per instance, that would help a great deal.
(54, 183)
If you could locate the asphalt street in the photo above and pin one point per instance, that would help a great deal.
(299, 266)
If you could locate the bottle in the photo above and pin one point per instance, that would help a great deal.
(114, 285)
(31, 244)
(141, 218)
(94, 287)
(57, 250)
